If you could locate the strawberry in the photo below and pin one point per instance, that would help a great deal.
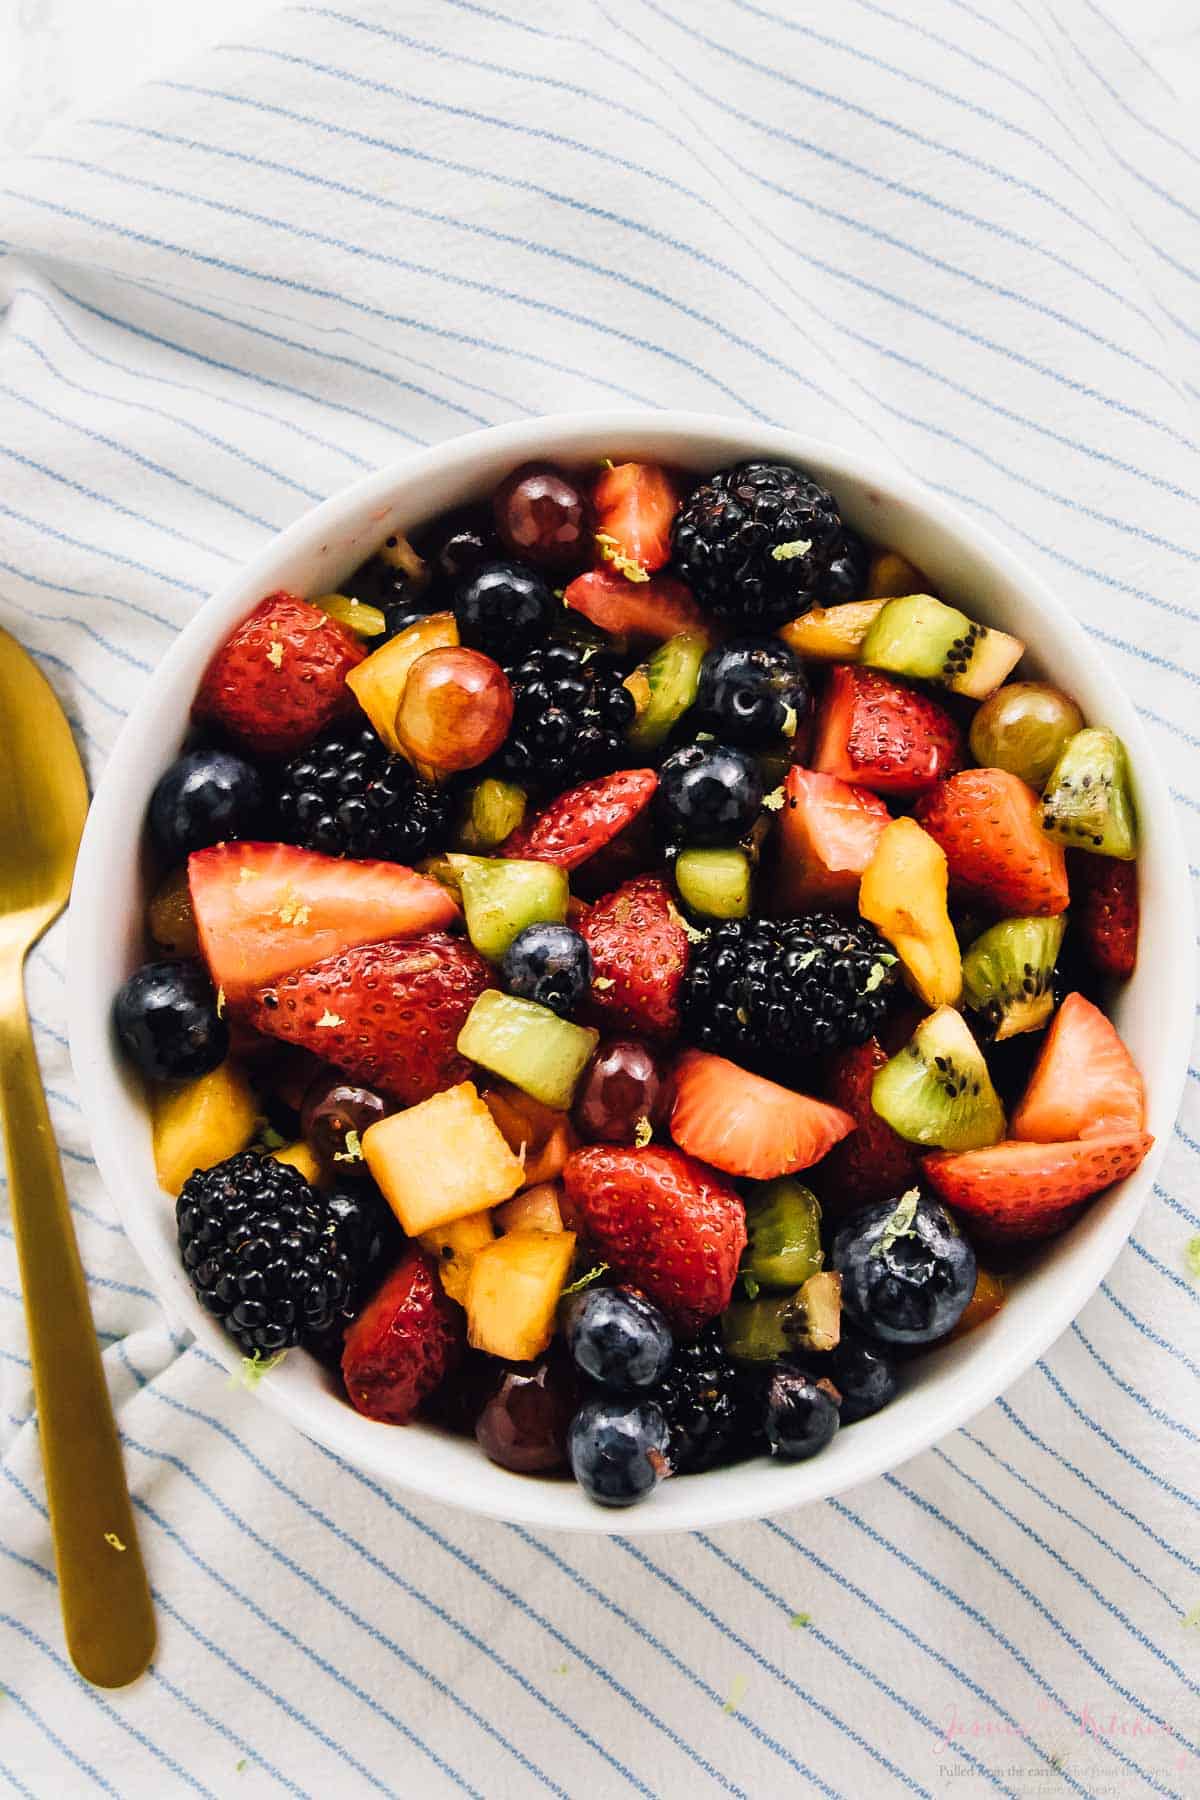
(661, 1221)
(635, 504)
(639, 949)
(658, 608)
(387, 1014)
(989, 823)
(583, 820)
(828, 831)
(883, 735)
(263, 910)
(1015, 1191)
(280, 676)
(1084, 1084)
(404, 1342)
(1105, 895)
(746, 1125)
(874, 1162)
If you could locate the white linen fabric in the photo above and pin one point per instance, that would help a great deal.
(961, 236)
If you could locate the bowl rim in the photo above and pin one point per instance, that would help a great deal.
(715, 1499)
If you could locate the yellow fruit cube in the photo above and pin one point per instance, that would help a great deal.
(301, 1156)
(537, 1209)
(832, 633)
(378, 681)
(198, 1123)
(441, 1160)
(513, 1293)
(456, 1246)
(903, 893)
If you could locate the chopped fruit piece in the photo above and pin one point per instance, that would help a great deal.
(989, 824)
(358, 616)
(660, 608)
(832, 633)
(664, 688)
(280, 676)
(513, 1293)
(441, 1160)
(989, 1296)
(584, 819)
(1085, 1083)
(891, 576)
(662, 1222)
(1017, 1191)
(301, 1157)
(405, 1341)
(746, 1125)
(876, 732)
(501, 897)
(635, 504)
(874, 1162)
(263, 910)
(169, 916)
(1008, 975)
(195, 1124)
(387, 1014)
(1023, 728)
(714, 883)
(639, 952)
(1087, 803)
(937, 1090)
(775, 1326)
(494, 811)
(1106, 914)
(378, 683)
(828, 832)
(539, 1135)
(536, 1209)
(783, 1237)
(528, 1045)
(923, 638)
(454, 713)
(454, 1247)
(904, 893)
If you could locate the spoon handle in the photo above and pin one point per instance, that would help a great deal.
(106, 1606)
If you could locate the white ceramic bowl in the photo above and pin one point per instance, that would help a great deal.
(311, 557)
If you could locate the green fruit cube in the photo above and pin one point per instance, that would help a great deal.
(528, 1045)
(500, 898)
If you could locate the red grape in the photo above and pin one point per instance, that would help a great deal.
(333, 1108)
(543, 516)
(455, 711)
(622, 1087)
(523, 1426)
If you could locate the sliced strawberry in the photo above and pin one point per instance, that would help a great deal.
(883, 735)
(1015, 1191)
(661, 1221)
(1084, 1084)
(583, 820)
(659, 608)
(263, 910)
(1104, 892)
(828, 831)
(404, 1342)
(639, 952)
(989, 823)
(387, 1014)
(635, 504)
(746, 1125)
(280, 676)
(874, 1162)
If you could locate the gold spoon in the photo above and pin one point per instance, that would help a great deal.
(107, 1612)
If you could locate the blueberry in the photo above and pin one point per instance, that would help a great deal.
(617, 1450)
(205, 797)
(503, 609)
(752, 691)
(550, 964)
(798, 1416)
(708, 794)
(166, 1018)
(863, 1374)
(620, 1339)
(907, 1272)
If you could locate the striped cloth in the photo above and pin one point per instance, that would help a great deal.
(962, 236)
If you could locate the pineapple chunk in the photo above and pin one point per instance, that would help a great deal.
(512, 1296)
(832, 633)
(903, 892)
(543, 1137)
(378, 681)
(456, 1246)
(198, 1123)
(891, 576)
(301, 1156)
(537, 1209)
(441, 1160)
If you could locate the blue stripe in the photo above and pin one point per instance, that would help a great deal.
(116, 506)
(1107, 1437)
(1157, 1413)
(48, 530)
(48, 1731)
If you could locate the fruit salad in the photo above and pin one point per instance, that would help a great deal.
(629, 974)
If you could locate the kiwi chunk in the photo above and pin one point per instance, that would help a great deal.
(492, 812)
(502, 896)
(528, 1045)
(763, 1330)
(714, 883)
(664, 687)
(1008, 974)
(783, 1237)
(1087, 803)
(930, 641)
(937, 1090)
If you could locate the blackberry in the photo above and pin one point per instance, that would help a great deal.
(370, 1236)
(755, 542)
(348, 796)
(263, 1251)
(704, 1403)
(763, 990)
(570, 714)
(846, 576)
